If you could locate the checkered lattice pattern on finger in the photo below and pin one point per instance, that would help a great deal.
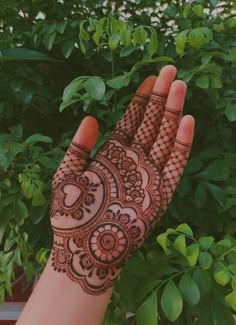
(72, 164)
(173, 171)
(147, 132)
(129, 124)
(163, 146)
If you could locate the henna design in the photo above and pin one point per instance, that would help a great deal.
(72, 163)
(164, 143)
(129, 124)
(148, 129)
(102, 215)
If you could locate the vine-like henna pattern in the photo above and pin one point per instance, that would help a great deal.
(101, 216)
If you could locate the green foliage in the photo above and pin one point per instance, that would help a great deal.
(93, 57)
(176, 287)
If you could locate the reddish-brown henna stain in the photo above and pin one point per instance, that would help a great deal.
(101, 216)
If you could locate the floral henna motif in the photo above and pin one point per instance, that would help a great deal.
(106, 213)
(75, 206)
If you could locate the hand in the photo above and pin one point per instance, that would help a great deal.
(101, 214)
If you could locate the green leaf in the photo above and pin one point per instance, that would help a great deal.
(73, 87)
(60, 27)
(67, 48)
(222, 276)
(27, 188)
(38, 138)
(171, 301)
(95, 87)
(215, 82)
(163, 242)
(232, 268)
(222, 314)
(82, 46)
(230, 112)
(140, 35)
(69, 102)
(38, 198)
(181, 41)
(153, 43)
(203, 281)
(127, 51)
(185, 229)
(119, 81)
(84, 35)
(217, 171)
(20, 209)
(21, 53)
(113, 41)
(41, 256)
(186, 11)
(218, 194)
(180, 245)
(202, 82)
(206, 242)
(26, 94)
(5, 217)
(37, 213)
(48, 40)
(3, 161)
(147, 312)
(146, 287)
(196, 38)
(207, 33)
(125, 37)
(16, 84)
(189, 289)
(9, 243)
(198, 10)
(192, 254)
(200, 195)
(231, 300)
(205, 260)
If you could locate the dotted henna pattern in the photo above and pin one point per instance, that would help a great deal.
(102, 215)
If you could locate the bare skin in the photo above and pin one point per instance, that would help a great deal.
(102, 213)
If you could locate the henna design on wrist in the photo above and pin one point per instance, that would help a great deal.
(101, 216)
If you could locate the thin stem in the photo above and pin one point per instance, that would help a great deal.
(113, 73)
(177, 274)
(227, 252)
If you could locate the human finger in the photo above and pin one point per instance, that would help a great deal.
(179, 156)
(77, 154)
(148, 129)
(133, 116)
(164, 143)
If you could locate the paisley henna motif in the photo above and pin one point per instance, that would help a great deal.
(101, 216)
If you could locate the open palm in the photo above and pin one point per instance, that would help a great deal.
(101, 214)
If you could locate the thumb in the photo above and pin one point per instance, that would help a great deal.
(87, 134)
(77, 154)
(83, 142)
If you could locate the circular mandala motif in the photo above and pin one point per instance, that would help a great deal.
(108, 243)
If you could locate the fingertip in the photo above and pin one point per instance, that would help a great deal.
(87, 133)
(147, 85)
(165, 79)
(169, 68)
(186, 129)
(176, 95)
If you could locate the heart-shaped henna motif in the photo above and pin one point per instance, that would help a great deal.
(72, 195)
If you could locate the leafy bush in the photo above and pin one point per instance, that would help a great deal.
(96, 56)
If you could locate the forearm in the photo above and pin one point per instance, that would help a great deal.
(58, 300)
